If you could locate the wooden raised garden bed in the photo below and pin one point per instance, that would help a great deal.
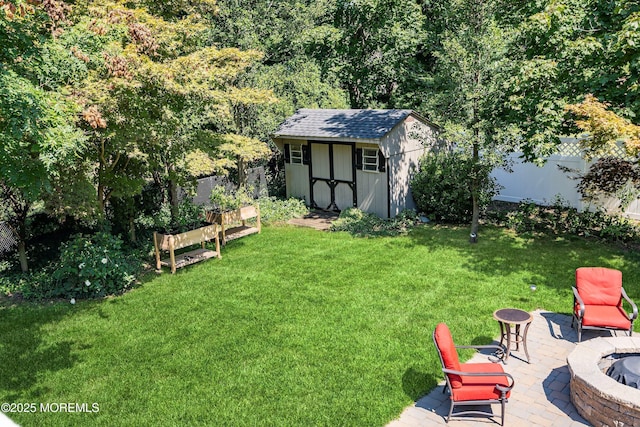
(234, 224)
(173, 242)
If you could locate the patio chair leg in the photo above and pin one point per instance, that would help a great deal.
(450, 412)
(502, 414)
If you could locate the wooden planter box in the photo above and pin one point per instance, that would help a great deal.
(233, 224)
(173, 242)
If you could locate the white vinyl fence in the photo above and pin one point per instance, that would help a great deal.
(544, 184)
(256, 179)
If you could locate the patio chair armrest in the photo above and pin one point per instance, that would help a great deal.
(576, 298)
(485, 374)
(634, 314)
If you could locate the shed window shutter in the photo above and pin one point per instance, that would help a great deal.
(359, 158)
(287, 154)
(382, 162)
(305, 154)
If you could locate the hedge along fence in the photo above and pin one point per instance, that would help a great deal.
(8, 240)
(544, 184)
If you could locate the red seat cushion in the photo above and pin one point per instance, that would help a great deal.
(480, 388)
(605, 316)
(447, 349)
(599, 285)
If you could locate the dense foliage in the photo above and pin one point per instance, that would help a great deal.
(89, 266)
(562, 219)
(274, 211)
(441, 187)
(363, 224)
(102, 100)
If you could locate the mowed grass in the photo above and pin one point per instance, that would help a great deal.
(293, 327)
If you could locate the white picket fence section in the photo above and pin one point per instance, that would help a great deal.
(7, 238)
(544, 184)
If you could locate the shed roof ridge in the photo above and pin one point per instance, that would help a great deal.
(342, 123)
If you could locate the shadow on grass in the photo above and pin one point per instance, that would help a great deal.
(547, 260)
(24, 350)
(416, 384)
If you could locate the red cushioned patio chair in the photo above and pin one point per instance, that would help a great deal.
(597, 301)
(471, 384)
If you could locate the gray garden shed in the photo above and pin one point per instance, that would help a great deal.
(336, 159)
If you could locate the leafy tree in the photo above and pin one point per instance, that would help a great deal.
(274, 28)
(280, 30)
(565, 50)
(38, 137)
(374, 46)
(37, 143)
(440, 192)
(604, 130)
(154, 95)
(471, 56)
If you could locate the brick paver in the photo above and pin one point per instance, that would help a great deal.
(541, 393)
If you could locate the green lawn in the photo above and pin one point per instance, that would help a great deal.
(293, 327)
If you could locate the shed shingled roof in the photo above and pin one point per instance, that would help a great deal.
(326, 123)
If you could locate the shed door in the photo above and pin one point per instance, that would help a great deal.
(332, 175)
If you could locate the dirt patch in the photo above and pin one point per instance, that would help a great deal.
(320, 220)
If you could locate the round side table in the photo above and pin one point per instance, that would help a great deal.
(507, 317)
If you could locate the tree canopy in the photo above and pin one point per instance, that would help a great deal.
(109, 96)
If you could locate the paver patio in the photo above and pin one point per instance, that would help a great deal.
(541, 393)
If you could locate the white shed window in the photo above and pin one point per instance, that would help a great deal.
(370, 159)
(295, 153)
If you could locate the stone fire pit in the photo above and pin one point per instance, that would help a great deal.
(598, 398)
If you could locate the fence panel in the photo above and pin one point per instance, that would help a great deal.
(256, 179)
(543, 184)
(7, 238)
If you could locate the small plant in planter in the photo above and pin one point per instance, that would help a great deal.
(190, 216)
(223, 200)
(233, 207)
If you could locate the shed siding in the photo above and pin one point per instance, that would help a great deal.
(296, 177)
(372, 192)
(404, 150)
(372, 189)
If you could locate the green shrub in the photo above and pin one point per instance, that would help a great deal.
(89, 266)
(156, 221)
(223, 199)
(190, 216)
(363, 224)
(441, 187)
(274, 210)
(560, 218)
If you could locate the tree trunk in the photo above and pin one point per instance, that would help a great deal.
(101, 200)
(22, 255)
(242, 173)
(22, 238)
(475, 216)
(132, 230)
(173, 199)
